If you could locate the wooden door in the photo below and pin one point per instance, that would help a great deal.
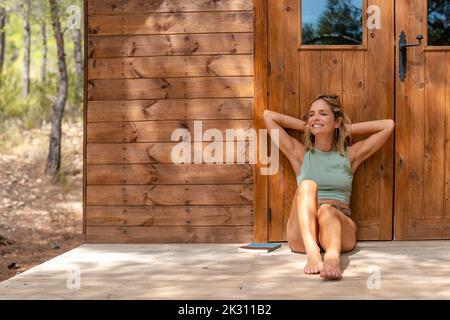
(363, 76)
(422, 149)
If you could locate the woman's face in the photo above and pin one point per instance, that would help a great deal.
(321, 118)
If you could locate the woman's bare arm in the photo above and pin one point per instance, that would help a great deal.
(290, 146)
(286, 121)
(369, 127)
(380, 130)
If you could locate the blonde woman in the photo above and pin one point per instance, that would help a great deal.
(324, 165)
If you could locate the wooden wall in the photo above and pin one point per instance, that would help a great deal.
(152, 67)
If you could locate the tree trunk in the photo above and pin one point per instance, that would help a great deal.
(26, 46)
(78, 53)
(2, 40)
(44, 52)
(53, 159)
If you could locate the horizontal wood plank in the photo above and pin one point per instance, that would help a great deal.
(117, 153)
(169, 174)
(171, 44)
(165, 88)
(152, 131)
(146, 216)
(430, 228)
(169, 194)
(139, 6)
(170, 109)
(170, 66)
(170, 23)
(230, 234)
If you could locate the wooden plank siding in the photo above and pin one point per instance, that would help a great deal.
(153, 67)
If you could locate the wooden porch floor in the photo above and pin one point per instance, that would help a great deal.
(407, 270)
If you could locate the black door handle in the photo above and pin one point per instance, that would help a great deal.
(402, 55)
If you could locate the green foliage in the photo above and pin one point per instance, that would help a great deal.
(438, 23)
(64, 181)
(343, 18)
(340, 22)
(10, 106)
(11, 134)
(33, 110)
(39, 106)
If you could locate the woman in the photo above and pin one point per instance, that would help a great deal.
(324, 166)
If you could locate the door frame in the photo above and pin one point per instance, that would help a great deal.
(260, 84)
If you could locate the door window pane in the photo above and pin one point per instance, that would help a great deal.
(438, 22)
(332, 22)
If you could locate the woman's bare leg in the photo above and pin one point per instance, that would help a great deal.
(337, 233)
(307, 211)
(302, 229)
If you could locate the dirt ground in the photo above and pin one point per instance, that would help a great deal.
(39, 218)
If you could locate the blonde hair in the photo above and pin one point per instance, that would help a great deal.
(341, 136)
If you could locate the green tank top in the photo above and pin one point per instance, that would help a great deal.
(331, 171)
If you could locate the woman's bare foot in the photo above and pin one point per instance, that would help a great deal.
(314, 263)
(331, 266)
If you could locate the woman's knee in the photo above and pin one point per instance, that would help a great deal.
(307, 187)
(325, 213)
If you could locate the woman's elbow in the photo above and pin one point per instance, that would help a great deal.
(267, 116)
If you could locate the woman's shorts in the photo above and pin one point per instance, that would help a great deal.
(345, 211)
